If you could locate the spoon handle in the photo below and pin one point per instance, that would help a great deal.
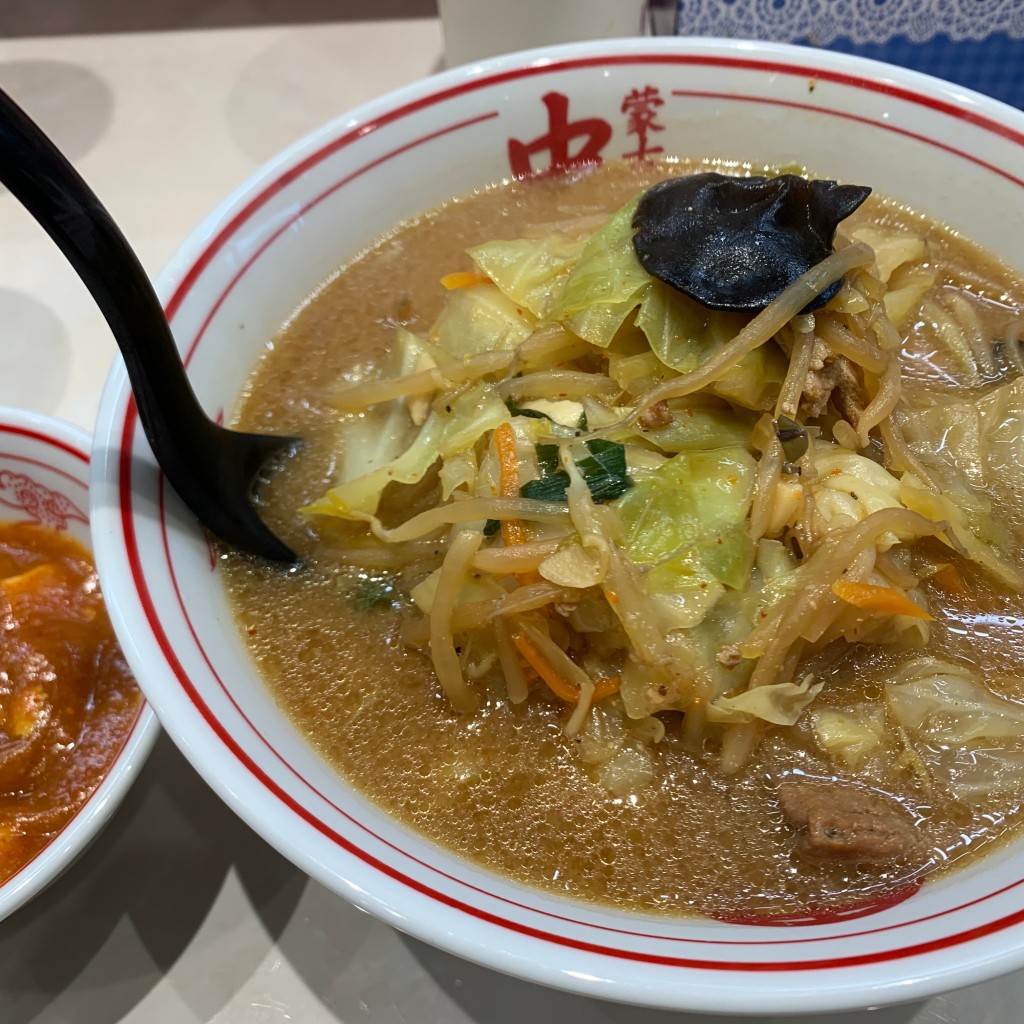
(211, 468)
(39, 175)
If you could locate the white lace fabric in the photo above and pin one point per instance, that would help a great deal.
(822, 22)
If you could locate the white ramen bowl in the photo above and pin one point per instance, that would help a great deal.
(44, 479)
(952, 154)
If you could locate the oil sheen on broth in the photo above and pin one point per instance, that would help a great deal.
(501, 786)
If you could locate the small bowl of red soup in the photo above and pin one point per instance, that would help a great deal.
(74, 728)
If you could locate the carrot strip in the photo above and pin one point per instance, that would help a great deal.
(561, 688)
(512, 530)
(463, 279)
(558, 685)
(948, 577)
(883, 600)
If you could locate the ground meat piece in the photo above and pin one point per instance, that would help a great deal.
(659, 415)
(729, 656)
(839, 821)
(848, 394)
(836, 378)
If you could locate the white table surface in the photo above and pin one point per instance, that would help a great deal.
(180, 913)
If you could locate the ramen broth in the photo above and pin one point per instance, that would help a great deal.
(502, 786)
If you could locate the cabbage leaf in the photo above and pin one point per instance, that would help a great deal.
(702, 422)
(685, 524)
(850, 737)
(755, 381)
(444, 434)
(682, 333)
(950, 434)
(776, 703)
(946, 704)
(573, 565)
(900, 259)
(977, 775)
(606, 284)
(971, 739)
(458, 470)
(981, 536)
(850, 487)
(1002, 415)
(481, 319)
(473, 589)
(892, 248)
(971, 449)
(380, 433)
(695, 494)
(529, 271)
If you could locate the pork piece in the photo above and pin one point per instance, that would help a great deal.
(834, 377)
(839, 821)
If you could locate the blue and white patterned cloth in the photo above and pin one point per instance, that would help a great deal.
(976, 43)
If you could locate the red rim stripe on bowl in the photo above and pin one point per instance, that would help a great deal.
(52, 441)
(847, 116)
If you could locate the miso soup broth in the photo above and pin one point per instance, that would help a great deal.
(654, 785)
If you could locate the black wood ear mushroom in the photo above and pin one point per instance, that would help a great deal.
(738, 243)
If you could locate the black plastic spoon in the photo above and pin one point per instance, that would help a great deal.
(212, 468)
